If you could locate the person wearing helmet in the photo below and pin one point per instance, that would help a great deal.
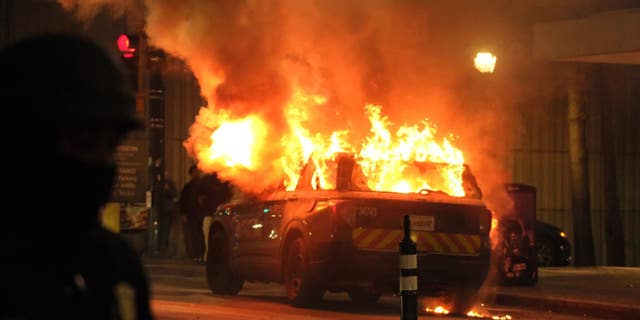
(66, 107)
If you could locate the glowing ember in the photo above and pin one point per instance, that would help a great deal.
(438, 310)
(475, 314)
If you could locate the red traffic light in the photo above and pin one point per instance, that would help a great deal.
(126, 45)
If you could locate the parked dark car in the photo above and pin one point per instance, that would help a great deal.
(552, 246)
(346, 239)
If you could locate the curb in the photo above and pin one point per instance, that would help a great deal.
(577, 307)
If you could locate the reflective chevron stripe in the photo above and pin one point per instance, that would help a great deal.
(437, 242)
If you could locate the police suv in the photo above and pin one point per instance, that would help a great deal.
(347, 239)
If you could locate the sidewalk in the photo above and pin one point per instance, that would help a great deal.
(608, 292)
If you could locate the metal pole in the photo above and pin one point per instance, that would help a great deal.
(156, 133)
(408, 275)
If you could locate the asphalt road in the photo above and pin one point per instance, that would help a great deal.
(180, 292)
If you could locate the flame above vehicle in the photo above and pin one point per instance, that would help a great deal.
(239, 149)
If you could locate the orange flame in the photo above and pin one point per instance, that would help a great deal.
(438, 310)
(476, 314)
(388, 161)
(234, 143)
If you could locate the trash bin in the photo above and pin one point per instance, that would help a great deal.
(515, 253)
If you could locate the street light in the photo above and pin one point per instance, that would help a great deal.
(485, 62)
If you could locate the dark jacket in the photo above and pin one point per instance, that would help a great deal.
(190, 204)
(214, 192)
(95, 275)
(166, 192)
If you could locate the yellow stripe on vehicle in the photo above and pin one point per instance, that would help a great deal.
(356, 233)
(371, 236)
(462, 239)
(386, 240)
(393, 235)
(475, 240)
(452, 247)
(433, 244)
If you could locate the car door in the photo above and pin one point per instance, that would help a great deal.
(246, 234)
(269, 227)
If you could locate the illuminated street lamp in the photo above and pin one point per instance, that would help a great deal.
(485, 62)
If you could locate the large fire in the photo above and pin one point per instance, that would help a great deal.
(389, 160)
(266, 67)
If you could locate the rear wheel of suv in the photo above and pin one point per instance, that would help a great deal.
(364, 295)
(302, 290)
(220, 277)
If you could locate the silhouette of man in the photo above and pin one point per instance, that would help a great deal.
(70, 107)
(191, 207)
(165, 201)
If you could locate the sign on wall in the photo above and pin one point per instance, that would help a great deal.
(132, 174)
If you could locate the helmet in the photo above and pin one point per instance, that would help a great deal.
(65, 79)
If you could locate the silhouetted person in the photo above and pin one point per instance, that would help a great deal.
(191, 212)
(214, 191)
(66, 106)
(166, 195)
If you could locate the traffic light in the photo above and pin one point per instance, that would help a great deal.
(129, 47)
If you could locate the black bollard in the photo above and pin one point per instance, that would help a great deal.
(408, 275)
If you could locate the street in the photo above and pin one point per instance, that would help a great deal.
(179, 291)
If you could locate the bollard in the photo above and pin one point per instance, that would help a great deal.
(408, 275)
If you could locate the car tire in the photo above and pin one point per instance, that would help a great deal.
(220, 278)
(364, 295)
(545, 253)
(301, 289)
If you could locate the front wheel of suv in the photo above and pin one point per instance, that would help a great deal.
(220, 277)
(301, 288)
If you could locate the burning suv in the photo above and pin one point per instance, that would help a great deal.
(344, 237)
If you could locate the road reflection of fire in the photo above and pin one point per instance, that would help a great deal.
(474, 313)
(438, 310)
(483, 315)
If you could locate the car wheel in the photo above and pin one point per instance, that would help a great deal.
(545, 253)
(220, 277)
(302, 290)
(364, 295)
